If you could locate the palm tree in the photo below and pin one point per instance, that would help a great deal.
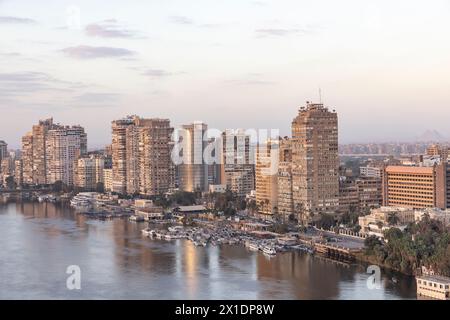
(393, 219)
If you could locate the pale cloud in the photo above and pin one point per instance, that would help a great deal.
(156, 73)
(109, 29)
(27, 82)
(16, 20)
(89, 52)
(279, 32)
(181, 20)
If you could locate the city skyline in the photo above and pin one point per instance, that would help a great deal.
(374, 63)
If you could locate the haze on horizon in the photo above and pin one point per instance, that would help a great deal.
(382, 65)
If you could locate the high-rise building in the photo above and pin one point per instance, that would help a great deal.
(3, 149)
(39, 158)
(27, 158)
(119, 153)
(156, 169)
(237, 166)
(415, 186)
(64, 145)
(141, 156)
(266, 177)
(49, 152)
(193, 172)
(315, 159)
(285, 201)
(108, 179)
(18, 172)
(6, 168)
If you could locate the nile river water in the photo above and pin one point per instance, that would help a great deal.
(39, 241)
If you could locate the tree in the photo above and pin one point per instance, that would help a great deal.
(10, 183)
(58, 186)
(393, 219)
(326, 221)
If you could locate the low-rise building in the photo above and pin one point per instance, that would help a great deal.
(381, 219)
(217, 188)
(435, 214)
(434, 287)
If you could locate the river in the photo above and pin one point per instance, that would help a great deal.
(38, 241)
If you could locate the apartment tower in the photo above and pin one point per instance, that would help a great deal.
(315, 159)
(193, 172)
(141, 156)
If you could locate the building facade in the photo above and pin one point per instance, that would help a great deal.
(415, 187)
(237, 165)
(193, 171)
(89, 174)
(266, 177)
(49, 152)
(315, 159)
(141, 156)
(64, 145)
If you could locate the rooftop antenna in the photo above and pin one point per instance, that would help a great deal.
(320, 95)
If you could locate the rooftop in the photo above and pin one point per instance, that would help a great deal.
(435, 278)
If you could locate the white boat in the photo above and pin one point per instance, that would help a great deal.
(269, 250)
(147, 232)
(252, 246)
(136, 218)
(176, 228)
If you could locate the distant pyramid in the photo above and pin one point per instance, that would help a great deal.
(431, 136)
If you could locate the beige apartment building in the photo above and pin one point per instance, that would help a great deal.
(266, 177)
(108, 179)
(39, 155)
(285, 201)
(141, 156)
(415, 187)
(193, 172)
(49, 152)
(64, 145)
(27, 158)
(89, 172)
(315, 159)
(237, 165)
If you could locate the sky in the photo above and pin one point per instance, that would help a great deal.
(384, 66)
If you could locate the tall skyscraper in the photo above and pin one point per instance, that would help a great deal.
(237, 167)
(119, 153)
(156, 169)
(141, 156)
(39, 158)
(27, 158)
(266, 177)
(49, 152)
(315, 159)
(285, 202)
(193, 172)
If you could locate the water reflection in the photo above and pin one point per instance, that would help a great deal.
(39, 241)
